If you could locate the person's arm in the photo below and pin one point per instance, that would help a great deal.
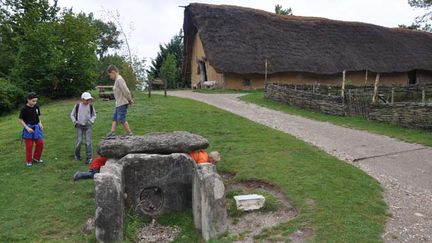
(24, 125)
(93, 117)
(72, 115)
(125, 90)
(40, 121)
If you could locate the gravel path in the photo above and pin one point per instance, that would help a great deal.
(403, 169)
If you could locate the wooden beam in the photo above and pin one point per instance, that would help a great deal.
(366, 77)
(375, 93)
(165, 87)
(423, 95)
(265, 78)
(343, 84)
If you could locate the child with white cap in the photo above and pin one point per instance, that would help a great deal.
(83, 116)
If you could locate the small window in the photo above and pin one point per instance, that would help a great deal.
(247, 82)
(412, 77)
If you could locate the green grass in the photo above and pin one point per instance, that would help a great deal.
(405, 134)
(43, 204)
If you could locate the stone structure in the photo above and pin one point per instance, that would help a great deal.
(153, 143)
(109, 191)
(150, 175)
(249, 202)
(156, 183)
(209, 209)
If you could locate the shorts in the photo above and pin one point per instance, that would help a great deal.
(120, 114)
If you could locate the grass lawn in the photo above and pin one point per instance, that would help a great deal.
(405, 134)
(42, 204)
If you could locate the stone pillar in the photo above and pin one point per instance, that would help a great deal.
(209, 209)
(157, 183)
(109, 203)
(199, 171)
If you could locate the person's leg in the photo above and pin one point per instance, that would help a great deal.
(126, 127)
(28, 150)
(112, 134)
(38, 150)
(88, 145)
(78, 143)
(113, 126)
(83, 175)
(122, 112)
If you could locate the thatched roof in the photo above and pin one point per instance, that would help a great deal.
(238, 40)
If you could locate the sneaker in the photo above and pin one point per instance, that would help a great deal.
(77, 158)
(128, 134)
(37, 161)
(88, 161)
(75, 177)
(29, 164)
(110, 135)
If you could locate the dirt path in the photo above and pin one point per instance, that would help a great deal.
(403, 169)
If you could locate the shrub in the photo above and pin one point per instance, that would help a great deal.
(10, 96)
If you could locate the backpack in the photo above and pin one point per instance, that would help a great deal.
(77, 105)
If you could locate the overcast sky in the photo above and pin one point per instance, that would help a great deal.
(149, 23)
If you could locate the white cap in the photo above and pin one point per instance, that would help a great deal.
(86, 96)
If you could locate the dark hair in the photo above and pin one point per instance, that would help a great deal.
(31, 95)
(112, 68)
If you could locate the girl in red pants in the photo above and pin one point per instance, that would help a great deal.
(32, 130)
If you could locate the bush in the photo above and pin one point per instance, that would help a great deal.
(10, 96)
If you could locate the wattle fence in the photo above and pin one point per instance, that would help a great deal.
(405, 106)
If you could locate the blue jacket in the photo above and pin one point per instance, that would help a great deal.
(37, 134)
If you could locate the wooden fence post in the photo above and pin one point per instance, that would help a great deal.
(392, 95)
(423, 96)
(149, 87)
(375, 93)
(366, 77)
(343, 84)
(165, 88)
(265, 77)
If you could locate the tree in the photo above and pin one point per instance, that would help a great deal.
(420, 3)
(423, 21)
(175, 47)
(78, 43)
(139, 67)
(108, 36)
(409, 27)
(55, 52)
(169, 71)
(18, 17)
(281, 11)
(124, 67)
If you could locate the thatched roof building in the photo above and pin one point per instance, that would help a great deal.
(237, 41)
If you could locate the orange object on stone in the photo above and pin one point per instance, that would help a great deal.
(200, 156)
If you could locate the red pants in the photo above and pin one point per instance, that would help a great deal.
(29, 149)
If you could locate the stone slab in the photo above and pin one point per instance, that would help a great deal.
(156, 183)
(249, 202)
(109, 207)
(152, 143)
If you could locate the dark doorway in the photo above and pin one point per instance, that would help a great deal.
(203, 71)
(412, 77)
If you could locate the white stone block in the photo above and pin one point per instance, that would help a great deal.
(249, 202)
